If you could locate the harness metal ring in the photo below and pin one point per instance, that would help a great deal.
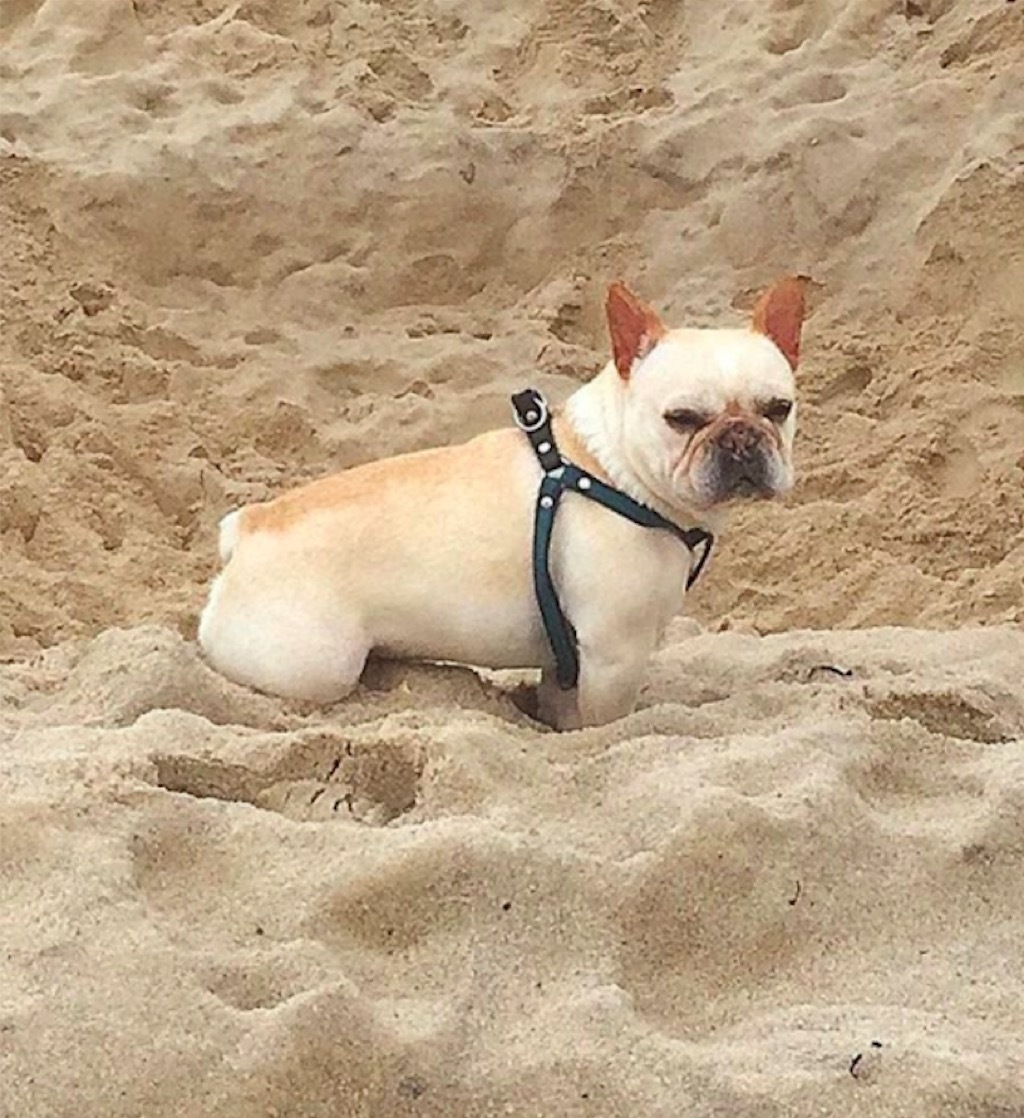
(540, 408)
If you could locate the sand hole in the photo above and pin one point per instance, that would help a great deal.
(321, 777)
(941, 713)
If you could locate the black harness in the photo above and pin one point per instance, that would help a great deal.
(534, 419)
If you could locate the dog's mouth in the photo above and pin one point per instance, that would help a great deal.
(751, 488)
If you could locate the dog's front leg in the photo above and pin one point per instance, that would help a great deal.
(555, 707)
(609, 686)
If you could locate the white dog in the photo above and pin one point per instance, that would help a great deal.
(430, 555)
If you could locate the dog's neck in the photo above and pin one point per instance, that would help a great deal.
(589, 432)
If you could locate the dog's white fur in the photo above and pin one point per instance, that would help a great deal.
(428, 555)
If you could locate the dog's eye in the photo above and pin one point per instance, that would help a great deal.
(777, 410)
(685, 420)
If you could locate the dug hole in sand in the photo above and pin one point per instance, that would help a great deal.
(245, 244)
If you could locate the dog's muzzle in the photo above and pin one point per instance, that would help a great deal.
(742, 460)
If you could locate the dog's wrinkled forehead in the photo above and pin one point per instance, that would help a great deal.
(710, 369)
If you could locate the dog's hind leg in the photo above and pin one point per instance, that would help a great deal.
(285, 648)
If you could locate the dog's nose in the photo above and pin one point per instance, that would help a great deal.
(740, 439)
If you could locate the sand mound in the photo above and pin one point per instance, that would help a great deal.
(801, 849)
(245, 243)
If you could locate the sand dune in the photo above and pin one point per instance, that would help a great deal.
(247, 243)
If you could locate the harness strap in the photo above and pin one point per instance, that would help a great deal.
(534, 419)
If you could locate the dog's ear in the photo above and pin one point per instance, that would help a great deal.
(779, 314)
(634, 327)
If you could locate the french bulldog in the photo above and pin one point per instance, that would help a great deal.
(427, 555)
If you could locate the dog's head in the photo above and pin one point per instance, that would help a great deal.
(709, 415)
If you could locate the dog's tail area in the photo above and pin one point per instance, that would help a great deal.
(229, 529)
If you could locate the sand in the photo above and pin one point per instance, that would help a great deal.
(243, 244)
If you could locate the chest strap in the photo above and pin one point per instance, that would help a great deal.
(534, 419)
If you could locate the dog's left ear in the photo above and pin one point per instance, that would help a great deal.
(779, 314)
(634, 327)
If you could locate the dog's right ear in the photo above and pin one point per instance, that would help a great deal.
(635, 328)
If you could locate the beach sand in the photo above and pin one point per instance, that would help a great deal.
(245, 244)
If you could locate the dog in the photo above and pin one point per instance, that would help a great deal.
(427, 555)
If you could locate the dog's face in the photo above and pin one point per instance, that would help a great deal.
(709, 415)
